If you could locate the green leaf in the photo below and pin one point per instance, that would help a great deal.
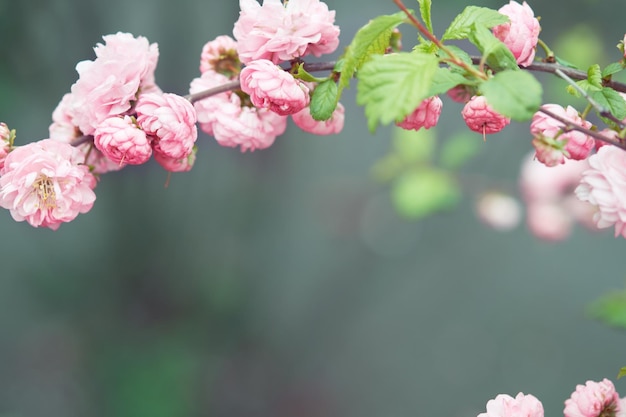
(459, 149)
(324, 100)
(495, 53)
(371, 39)
(303, 75)
(594, 76)
(611, 100)
(514, 94)
(461, 26)
(425, 6)
(414, 146)
(422, 192)
(622, 372)
(444, 80)
(610, 309)
(612, 68)
(460, 53)
(392, 86)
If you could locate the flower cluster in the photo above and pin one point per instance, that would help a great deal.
(594, 399)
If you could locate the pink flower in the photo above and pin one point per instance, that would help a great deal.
(280, 32)
(208, 109)
(108, 85)
(272, 88)
(170, 120)
(220, 55)
(45, 184)
(177, 165)
(481, 118)
(426, 115)
(122, 141)
(461, 93)
(63, 130)
(548, 194)
(6, 141)
(332, 126)
(521, 406)
(576, 145)
(594, 399)
(521, 34)
(604, 186)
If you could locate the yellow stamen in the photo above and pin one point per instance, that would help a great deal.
(45, 191)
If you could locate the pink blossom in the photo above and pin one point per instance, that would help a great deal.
(480, 117)
(122, 141)
(548, 220)
(577, 145)
(332, 126)
(426, 115)
(62, 129)
(594, 399)
(521, 34)
(220, 55)
(171, 121)
(177, 165)
(280, 32)
(272, 88)
(6, 141)
(45, 184)
(604, 186)
(208, 109)
(108, 85)
(461, 93)
(521, 406)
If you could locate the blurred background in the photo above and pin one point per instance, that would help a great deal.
(284, 282)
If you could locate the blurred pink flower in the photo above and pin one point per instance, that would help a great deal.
(480, 117)
(499, 211)
(108, 85)
(46, 184)
(219, 54)
(521, 406)
(426, 115)
(280, 32)
(5, 143)
(171, 121)
(604, 186)
(272, 88)
(594, 399)
(332, 126)
(122, 141)
(549, 132)
(521, 34)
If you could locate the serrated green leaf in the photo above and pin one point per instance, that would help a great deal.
(611, 100)
(622, 372)
(371, 39)
(495, 53)
(594, 76)
(392, 86)
(610, 309)
(425, 6)
(324, 100)
(514, 94)
(422, 192)
(414, 146)
(460, 53)
(461, 26)
(444, 80)
(457, 150)
(612, 68)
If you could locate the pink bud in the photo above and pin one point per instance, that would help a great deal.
(575, 144)
(332, 126)
(521, 34)
(121, 140)
(176, 165)
(481, 118)
(426, 115)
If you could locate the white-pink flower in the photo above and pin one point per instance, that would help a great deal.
(220, 55)
(594, 399)
(110, 84)
(45, 184)
(122, 141)
(521, 406)
(426, 115)
(171, 121)
(280, 32)
(549, 132)
(521, 34)
(604, 186)
(332, 126)
(480, 117)
(272, 88)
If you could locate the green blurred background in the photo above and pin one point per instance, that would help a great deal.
(282, 282)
